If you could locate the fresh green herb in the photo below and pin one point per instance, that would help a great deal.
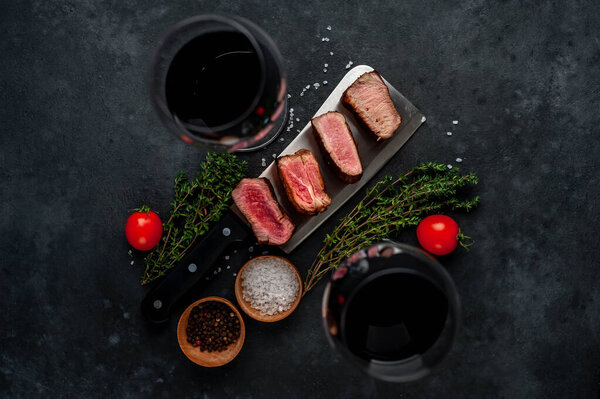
(389, 207)
(197, 204)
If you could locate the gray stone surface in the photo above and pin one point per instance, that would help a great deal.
(81, 146)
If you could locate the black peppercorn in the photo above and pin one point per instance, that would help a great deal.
(209, 328)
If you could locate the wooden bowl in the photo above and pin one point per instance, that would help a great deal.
(254, 313)
(209, 359)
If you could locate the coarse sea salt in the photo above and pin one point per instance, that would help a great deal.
(270, 285)
(459, 160)
(455, 122)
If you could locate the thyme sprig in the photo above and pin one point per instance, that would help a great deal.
(389, 207)
(197, 203)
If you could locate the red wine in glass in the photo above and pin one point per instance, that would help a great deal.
(393, 310)
(218, 82)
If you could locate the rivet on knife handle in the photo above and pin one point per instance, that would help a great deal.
(158, 303)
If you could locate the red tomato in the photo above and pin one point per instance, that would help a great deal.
(143, 230)
(438, 234)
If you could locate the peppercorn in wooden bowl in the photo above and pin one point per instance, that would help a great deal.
(269, 264)
(216, 331)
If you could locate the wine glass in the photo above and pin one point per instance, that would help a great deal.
(218, 82)
(392, 310)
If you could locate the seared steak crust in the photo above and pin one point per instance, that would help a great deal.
(369, 100)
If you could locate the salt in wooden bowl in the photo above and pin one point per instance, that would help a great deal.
(255, 313)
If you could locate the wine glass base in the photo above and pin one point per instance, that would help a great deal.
(278, 127)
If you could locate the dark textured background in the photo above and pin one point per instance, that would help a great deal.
(81, 146)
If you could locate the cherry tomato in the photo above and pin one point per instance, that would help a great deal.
(438, 234)
(143, 229)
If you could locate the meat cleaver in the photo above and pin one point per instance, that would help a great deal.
(159, 301)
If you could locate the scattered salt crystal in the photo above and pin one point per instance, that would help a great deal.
(316, 85)
(215, 272)
(270, 285)
(449, 166)
(234, 274)
(324, 82)
(326, 65)
(292, 110)
(350, 62)
(281, 139)
(449, 133)
(251, 249)
(459, 160)
(324, 39)
(235, 251)
(274, 156)
(131, 263)
(328, 27)
(297, 119)
(226, 257)
(228, 267)
(263, 162)
(423, 119)
(455, 122)
(331, 53)
(307, 87)
(289, 95)
(325, 70)
(219, 270)
(301, 94)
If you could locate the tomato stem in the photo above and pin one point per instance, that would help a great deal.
(464, 240)
(142, 209)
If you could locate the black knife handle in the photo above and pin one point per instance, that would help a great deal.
(157, 304)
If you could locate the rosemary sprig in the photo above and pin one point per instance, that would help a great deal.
(389, 207)
(197, 204)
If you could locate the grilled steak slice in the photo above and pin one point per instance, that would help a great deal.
(334, 136)
(301, 177)
(369, 100)
(256, 200)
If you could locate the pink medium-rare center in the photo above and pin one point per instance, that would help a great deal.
(301, 177)
(256, 200)
(336, 140)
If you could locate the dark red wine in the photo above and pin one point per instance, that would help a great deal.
(214, 79)
(395, 316)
